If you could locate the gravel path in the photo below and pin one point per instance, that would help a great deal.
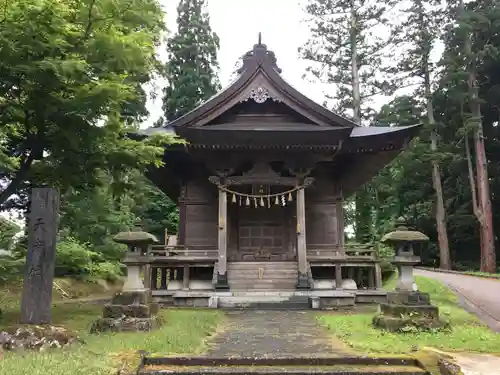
(478, 295)
(274, 334)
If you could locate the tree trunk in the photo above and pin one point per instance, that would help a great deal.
(36, 299)
(444, 249)
(488, 255)
(363, 212)
(482, 210)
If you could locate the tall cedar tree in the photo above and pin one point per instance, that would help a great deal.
(467, 50)
(421, 29)
(191, 71)
(346, 49)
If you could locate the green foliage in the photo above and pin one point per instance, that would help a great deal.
(156, 211)
(73, 258)
(191, 71)
(10, 268)
(8, 231)
(71, 73)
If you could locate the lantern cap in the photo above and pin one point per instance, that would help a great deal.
(403, 234)
(136, 236)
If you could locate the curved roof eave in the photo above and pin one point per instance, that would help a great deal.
(374, 131)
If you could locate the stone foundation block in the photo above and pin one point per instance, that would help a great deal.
(125, 324)
(425, 311)
(408, 298)
(141, 297)
(133, 311)
(402, 324)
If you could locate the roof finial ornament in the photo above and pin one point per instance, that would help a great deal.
(259, 56)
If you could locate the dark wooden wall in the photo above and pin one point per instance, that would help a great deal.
(324, 214)
(198, 227)
(198, 214)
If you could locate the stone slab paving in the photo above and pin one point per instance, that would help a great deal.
(274, 334)
(478, 295)
(478, 364)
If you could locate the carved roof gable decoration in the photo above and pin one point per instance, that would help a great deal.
(259, 94)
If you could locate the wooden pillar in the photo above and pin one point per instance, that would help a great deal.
(378, 276)
(163, 278)
(153, 284)
(350, 273)
(371, 278)
(359, 277)
(338, 276)
(303, 281)
(221, 282)
(36, 301)
(185, 278)
(147, 276)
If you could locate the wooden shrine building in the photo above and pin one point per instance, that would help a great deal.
(260, 187)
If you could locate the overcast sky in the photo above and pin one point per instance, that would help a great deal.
(238, 23)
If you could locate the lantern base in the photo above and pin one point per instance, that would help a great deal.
(407, 309)
(125, 324)
(129, 311)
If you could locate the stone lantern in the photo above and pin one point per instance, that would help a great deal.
(404, 240)
(132, 309)
(406, 306)
(138, 248)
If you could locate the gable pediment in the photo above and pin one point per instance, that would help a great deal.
(260, 101)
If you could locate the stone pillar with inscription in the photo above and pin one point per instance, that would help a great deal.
(303, 279)
(36, 299)
(222, 283)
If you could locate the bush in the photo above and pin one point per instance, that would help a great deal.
(386, 255)
(77, 260)
(73, 258)
(10, 268)
(106, 271)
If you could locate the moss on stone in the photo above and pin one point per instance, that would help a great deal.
(404, 235)
(131, 238)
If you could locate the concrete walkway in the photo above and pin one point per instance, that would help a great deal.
(274, 334)
(478, 295)
(477, 364)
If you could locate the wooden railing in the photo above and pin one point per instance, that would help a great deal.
(181, 251)
(338, 253)
(361, 252)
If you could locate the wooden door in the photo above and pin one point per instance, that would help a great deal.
(263, 235)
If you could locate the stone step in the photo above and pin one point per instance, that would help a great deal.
(264, 302)
(240, 287)
(299, 370)
(248, 280)
(255, 276)
(273, 366)
(275, 265)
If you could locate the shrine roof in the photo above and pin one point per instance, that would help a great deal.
(260, 84)
(259, 79)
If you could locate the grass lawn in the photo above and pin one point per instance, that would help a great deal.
(183, 332)
(467, 333)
